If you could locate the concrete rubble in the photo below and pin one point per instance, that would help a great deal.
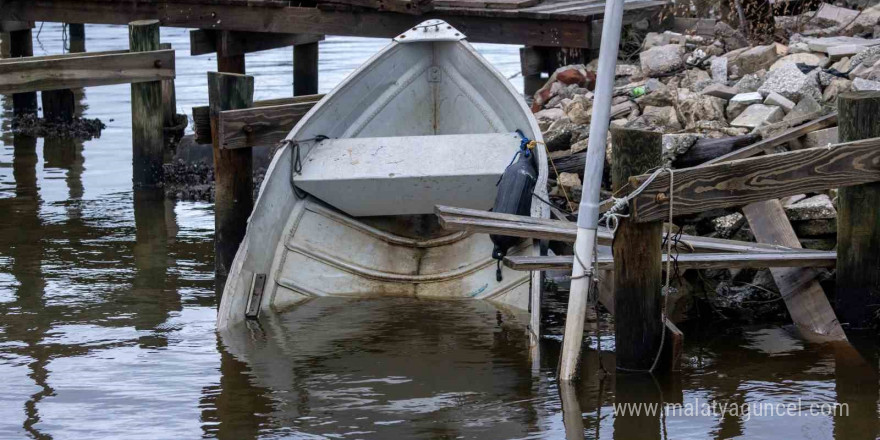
(699, 88)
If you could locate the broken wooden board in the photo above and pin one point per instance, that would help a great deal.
(804, 297)
(756, 179)
(474, 220)
(752, 260)
(767, 145)
(78, 70)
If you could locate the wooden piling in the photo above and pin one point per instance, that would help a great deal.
(5, 45)
(305, 69)
(233, 173)
(858, 220)
(76, 37)
(637, 251)
(146, 111)
(21, 45)
(169, 98)
(227, 62)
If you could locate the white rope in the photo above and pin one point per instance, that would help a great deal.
(667, 288)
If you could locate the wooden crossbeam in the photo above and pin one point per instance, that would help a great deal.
(202, 119)
(232, 43)
(259, 126)
(505, 27)
(767, 145)
(754, 260)
(79, 70)
(473, 220)
(745, 181)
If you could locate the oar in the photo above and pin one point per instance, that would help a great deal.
(588, 212)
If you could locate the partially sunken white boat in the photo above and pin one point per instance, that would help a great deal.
(427, 121)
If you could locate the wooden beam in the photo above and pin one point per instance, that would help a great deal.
(206, 41)
(202, 121)
(305, 69)
(259, 126)
(85, 70)
(745, 181)
(473, 220)
(767, 145)
(14, 26)
(757, 260)
(503, 27)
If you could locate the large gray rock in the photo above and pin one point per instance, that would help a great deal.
(662, 119)
(660, 60)
(751, 82)
(815, 228)
(805, 107)
(758, 115)
(787, 80)
(861, 85)
(753, 60)
(829, 15)
(730, 37)
(694, 107)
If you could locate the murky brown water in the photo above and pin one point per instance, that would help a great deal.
(107, 324)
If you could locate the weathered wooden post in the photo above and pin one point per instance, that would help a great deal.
(233, 173)
(305, 69)
(76, 37)
(858, 220)
(226, 62)
(637, 258)
(21, 45)
(169, 98)
(146, 111)
(4, 45)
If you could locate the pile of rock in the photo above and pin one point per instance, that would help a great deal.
(697, 89)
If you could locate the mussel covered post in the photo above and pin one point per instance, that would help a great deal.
(233, 173)
(146, 112)
(60, 105)
(305, 69)
(637, 257)
(858, 221)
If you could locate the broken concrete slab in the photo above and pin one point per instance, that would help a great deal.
(813, 208)
(830, 15)
(861, 85)
(809, 59)
(824, 43)
(718, 67)
(758, 115)
(805, 107)
(776, 99)
(836, 87)
(720, 91)
(821, 138)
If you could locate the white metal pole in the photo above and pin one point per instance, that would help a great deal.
(588, 211)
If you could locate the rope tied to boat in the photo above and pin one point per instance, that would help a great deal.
(296, 160)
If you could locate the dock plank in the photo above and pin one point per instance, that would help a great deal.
(757, 260)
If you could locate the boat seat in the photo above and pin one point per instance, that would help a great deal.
(408, 174)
